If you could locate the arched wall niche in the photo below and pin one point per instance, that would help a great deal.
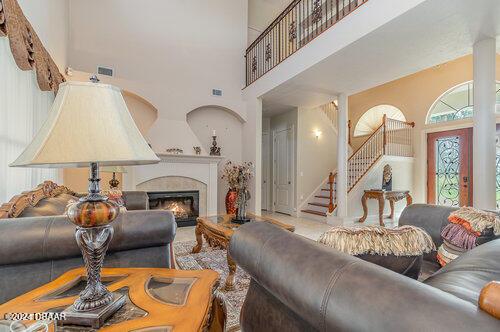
(228, 126)
(143, 112)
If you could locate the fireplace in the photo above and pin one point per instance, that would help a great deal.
(184, 205)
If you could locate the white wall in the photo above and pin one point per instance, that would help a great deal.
(316, 157)
(50, 20)
(228, 128)
(172, 53)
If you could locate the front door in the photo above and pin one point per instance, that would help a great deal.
(283, 171)
(449, 172)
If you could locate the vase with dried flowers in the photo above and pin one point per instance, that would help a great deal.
(238, 176)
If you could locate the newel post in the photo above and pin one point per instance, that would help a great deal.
(331, 180)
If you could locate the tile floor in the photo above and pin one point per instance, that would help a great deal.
(309, 228)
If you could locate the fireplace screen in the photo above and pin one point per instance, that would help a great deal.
(183, 204)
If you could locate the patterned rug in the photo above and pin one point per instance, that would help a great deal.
(215, 259)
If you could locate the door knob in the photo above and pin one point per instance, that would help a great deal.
(289, 182)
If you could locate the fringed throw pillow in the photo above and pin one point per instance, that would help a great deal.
(376, 240)
(467, 228)
(400, 250)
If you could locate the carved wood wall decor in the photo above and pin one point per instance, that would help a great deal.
(27, 48)
(18, 203)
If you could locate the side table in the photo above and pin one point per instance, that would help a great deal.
(157, 300)
(381, 196)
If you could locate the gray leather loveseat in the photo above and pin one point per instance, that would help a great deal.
(300, 285)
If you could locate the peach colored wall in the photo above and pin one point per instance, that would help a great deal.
(144, 115)
(414, 95)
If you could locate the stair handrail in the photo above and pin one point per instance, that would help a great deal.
(386, 131)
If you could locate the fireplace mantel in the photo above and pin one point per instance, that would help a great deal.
(186, 158)
(202, 168)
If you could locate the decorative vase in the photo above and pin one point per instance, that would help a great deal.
(231, 197)
(241, 202)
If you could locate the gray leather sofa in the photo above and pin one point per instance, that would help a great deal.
(36, 250)
(300, 285)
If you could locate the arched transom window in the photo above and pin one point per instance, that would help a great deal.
(372, 119)
(456, 103)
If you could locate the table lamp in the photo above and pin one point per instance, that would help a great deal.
(89, 124)
(113, 183)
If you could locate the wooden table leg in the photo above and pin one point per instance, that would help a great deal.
(381, 206)
(391, 203)
(365, 208)
(232, 271)
(199, 239)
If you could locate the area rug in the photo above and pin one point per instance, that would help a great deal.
(216, 259)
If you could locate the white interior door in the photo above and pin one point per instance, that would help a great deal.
(265, 171)
(283, 171)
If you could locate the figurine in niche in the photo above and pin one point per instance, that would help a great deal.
(387, 178)
(214, 149)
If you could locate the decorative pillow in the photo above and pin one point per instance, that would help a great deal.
(376, 240)
(467, 228)
(116, 196)
(400, 250)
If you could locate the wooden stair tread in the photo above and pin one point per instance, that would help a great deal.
(320, 196)
(319, 204)
(323, 214)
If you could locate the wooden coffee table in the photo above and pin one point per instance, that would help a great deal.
(158, 300)
(218, 230)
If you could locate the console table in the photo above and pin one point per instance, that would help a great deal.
(381, 196)
(157, 300)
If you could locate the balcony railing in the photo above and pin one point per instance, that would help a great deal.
(297, 25)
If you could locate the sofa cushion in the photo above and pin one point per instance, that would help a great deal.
(52, 206)
(468, 274)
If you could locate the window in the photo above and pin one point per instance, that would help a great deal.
(456, 103)
(372, 119)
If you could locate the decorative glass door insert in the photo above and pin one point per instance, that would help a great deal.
(448, 171)
(448, 174)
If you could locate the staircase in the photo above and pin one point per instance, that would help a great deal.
(392, 138)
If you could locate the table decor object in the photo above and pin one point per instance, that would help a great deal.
(387, 178)
(114, 183)
(89, 124)
(230, 174)
(245, 173)
(174, 151)
(214, 149)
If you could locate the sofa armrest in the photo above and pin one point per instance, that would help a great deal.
(36, 239)
(432, 218)
(333, 291)
(136, 200)
(489, 300)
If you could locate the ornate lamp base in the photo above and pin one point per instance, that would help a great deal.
(93, 318)
(93, 215)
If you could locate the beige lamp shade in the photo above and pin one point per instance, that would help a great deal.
(88, 122)
(113, 169)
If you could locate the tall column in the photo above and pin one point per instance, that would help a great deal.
(484, 155)
(252, 151)
(342, 151)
